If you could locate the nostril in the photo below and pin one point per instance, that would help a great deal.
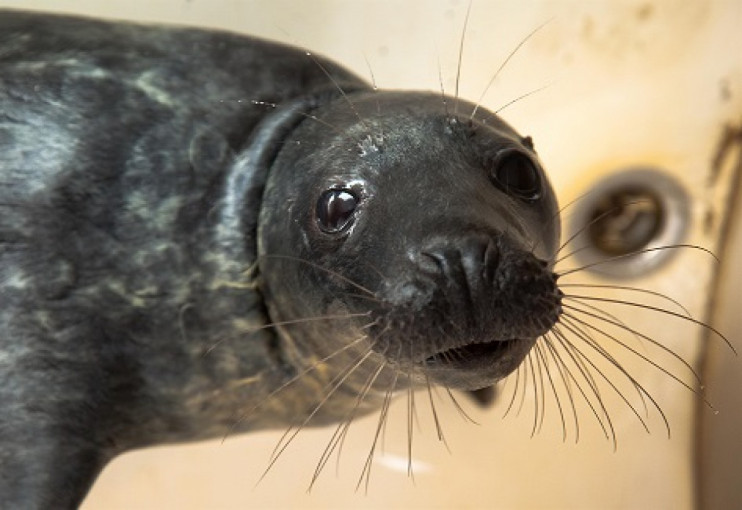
(431, 262)
(475, 257)
(491, 261)
(472, 254)
(481, 257)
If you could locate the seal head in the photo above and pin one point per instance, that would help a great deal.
(422, 237)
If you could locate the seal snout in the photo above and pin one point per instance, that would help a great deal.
(482, 302)
(499, 287)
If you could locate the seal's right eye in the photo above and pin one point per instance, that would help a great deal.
(335, 210)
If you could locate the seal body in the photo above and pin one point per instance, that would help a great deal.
(203, 233)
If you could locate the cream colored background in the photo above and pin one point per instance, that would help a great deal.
(628, 82)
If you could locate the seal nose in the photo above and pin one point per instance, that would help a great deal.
(503, 288)
(469, 262)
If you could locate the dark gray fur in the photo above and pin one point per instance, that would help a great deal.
(153, 218)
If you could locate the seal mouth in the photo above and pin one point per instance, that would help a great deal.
(471, 356)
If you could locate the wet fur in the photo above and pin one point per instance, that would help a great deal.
(92, 365)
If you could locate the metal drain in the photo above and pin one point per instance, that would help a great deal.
(619, 227)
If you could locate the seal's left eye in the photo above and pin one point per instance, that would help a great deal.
(516, 174)
(335, 210)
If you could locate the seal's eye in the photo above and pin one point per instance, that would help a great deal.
(516, 174)
(335, 210)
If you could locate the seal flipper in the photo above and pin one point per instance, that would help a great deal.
(483, 397)
(50, 425)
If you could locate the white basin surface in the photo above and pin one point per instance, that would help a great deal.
(609, 86)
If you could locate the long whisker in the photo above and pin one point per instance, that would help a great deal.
(544, 363)
(459, 408)
(411, 412)
(436, 419)
(658, 310)
(637, 333)
(317, 266)
(502, 66)
(460, 60)
(411, 415)
(444, 100)
(366, 472)
(335, 442)
(556, 216)
(638, 252)
(591, 343)
(521, 97)
(638, 290)
(339, 88)
(288, 323)
(645, 358)
(291, 381)
(593, 221)
(571, 254)
(515, 393)
(312, 117)
(522, 402)
(535, 394)
(588, 338)
(374, 86)
(600, 412)
(287, 438)
(612, 317)
(561, 367)
(584, 334)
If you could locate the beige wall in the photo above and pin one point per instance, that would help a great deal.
(628, 83)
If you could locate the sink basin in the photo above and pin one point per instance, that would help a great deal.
(603, 87)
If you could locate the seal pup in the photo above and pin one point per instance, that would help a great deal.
(203, 233)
